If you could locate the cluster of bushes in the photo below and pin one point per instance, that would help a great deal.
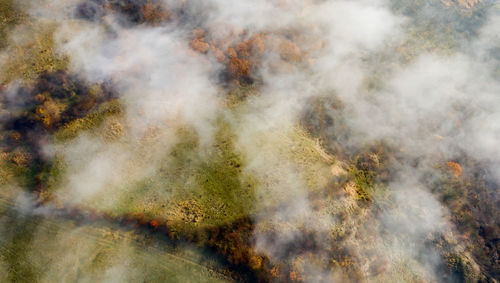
(151, 12)
(36, 112)
(472, 199)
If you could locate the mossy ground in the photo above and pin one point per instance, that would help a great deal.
(9, 17)
(90, 122)
(28, 46)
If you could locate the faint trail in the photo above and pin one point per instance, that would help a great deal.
(55, 220)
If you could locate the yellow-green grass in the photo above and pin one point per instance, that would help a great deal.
(48, 249)
(10, 15)
(30, 51)
(91, 122)
(194, 185)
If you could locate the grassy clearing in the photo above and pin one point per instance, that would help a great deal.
(194, 186)
(308, 154)
(89, 122)
(287, 162)
(190, 185)
(16, 170)
(35, 249)
(30, 52)
(9, 17)
(6, 172)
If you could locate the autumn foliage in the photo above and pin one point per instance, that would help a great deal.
(454, 168)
